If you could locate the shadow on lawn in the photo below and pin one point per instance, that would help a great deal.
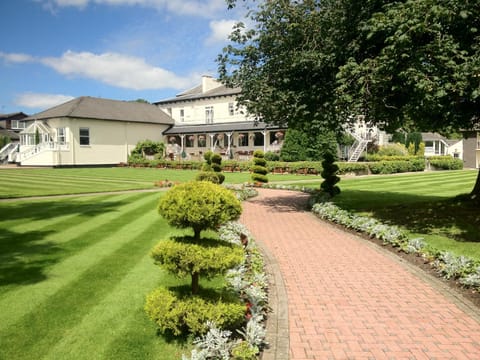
(448, 217)
(24, 256)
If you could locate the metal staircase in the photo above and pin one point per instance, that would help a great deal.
(8, 152)
(358, 147)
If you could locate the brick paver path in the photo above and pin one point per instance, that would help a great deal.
(348, 299)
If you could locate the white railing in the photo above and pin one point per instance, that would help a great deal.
(359, 146)
(27, 151)
(8, 152)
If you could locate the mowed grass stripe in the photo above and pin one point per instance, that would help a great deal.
(27, 256)
(60, 182)
(30, 216)
(55, 176)
(26, 298)
(61, 312)
(118, 324)
(412, 183)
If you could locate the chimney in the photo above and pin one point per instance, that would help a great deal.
(209, 83)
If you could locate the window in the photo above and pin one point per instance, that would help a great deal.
(61, 136)
(182, 115)
(17, 124)
(258, 139)
(243, 139)
(190, 141)
(231, 109)
(202, 140)
(84, 136)
(209, 114)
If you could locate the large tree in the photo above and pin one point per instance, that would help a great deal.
(316, 63)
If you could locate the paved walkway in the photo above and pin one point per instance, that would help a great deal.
(348, 298)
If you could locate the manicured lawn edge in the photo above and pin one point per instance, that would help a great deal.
(446, 264)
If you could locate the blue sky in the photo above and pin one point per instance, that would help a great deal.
(54, 50)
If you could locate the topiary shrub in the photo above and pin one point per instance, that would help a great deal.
(199, 205)
(211, 176)
(259, 169)
(185, 256)
(329, 173)
(177, 316)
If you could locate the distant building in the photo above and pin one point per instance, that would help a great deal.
(89, 131)
(437, 145)
(207, 117)
(471, 149)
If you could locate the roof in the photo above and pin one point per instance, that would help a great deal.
(9, 133)
(196, 93)
(429, 136)
(105, 109)
(218, 128)
(13, 116)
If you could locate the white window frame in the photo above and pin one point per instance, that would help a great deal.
(61, 136)
(84, 136)
(209, 114)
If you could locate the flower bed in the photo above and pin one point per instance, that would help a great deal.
(250, 283)
(448, 265)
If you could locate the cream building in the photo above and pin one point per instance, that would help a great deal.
(89, 131)
(207, 117)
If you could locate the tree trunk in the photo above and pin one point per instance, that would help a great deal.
(195, 279)
(196, 234)
(475, 194)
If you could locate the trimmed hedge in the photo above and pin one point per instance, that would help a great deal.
(189, 315)
(445, 163)
(392, 167)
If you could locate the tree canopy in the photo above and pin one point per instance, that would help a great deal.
(315, 64)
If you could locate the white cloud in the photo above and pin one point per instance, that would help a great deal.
(41, 101)
(202, 8)
(16, 57)
(117, 70)
(221, 29)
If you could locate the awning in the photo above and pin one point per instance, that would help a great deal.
(220, 128)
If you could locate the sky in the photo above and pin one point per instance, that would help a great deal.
(52, 51)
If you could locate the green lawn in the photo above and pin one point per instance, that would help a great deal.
(37, 182)
(73, 278)
(421, 203)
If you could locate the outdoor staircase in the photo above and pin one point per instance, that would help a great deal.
(8, 152)
(358, 147)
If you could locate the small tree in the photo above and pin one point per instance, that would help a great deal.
(329, 173)
(211, 169)
(199, 205)
(259, 170)
(183, 256)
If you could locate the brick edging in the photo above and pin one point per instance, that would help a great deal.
(277, 337)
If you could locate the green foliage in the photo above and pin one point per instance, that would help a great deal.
(445, 163)
(148, 147)
(244, 351)
(347, 167)
(272, 156)
(413, 142)
(181, 316)
(199, 205)
(211, 176)
(259, 178)
(329, 173)
(212, 164)
(379, 157)
(424, 63)
(393, 150)
(308, 145)
(259, 169)
(183, 256)
(392, 167)
(4, 140)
